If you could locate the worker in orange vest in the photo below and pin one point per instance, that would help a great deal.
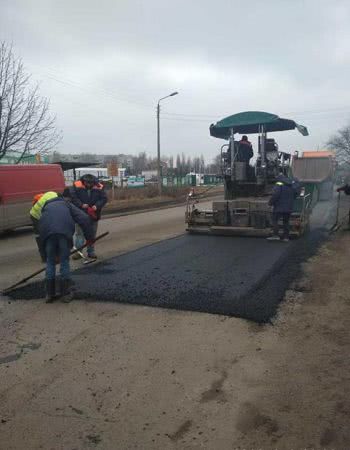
(89, 195)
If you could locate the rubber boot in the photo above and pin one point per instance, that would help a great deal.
(65, 290)
(50, 290)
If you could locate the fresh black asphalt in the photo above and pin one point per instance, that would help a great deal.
(242, 277)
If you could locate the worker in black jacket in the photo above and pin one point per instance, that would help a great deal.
(282, 200)
(346, 190)
(245, 150)
(88, 195)
(56, 229)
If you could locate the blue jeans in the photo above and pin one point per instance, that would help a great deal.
(57, 245)
(80, 239)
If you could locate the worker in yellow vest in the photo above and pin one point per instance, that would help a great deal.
(39, 202)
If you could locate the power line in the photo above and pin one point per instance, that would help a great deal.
(209, 117)
(179, 119)
(212, 116)
(110, 95)
(93, 90)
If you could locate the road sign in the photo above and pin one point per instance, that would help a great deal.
(112, 169)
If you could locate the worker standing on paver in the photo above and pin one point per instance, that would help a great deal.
(88, 195)
(282, 201)
(39, 201)
(56, 229)
(245, 150)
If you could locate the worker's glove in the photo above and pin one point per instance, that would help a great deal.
(90, 242)
(92, 213)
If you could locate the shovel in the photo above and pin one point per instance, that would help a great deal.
(24, 280)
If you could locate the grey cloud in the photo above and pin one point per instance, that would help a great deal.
(105, 63)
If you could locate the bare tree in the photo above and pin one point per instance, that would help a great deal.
(183, 164)
(26, 125)
(171, 162)
(178, 165)
(215, 167)
(340, 142)
(202, 164)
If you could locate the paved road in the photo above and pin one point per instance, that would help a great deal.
(19, 256)
(105, 374)
(213, 274)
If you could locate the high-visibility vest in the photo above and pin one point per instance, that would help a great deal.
(36, 209)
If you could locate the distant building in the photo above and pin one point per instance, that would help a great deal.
(149, 174)
(98, 159)
(12, 158)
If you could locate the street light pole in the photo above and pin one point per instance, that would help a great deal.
(159, 169)
(158, 153)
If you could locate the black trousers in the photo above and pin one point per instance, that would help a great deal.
(276, 216)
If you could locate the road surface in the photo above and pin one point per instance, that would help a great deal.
(19, 256)
(102, 375)
(215, 274)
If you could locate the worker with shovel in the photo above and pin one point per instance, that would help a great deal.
(56, 230)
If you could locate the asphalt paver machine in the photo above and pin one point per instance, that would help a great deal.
(244, 211)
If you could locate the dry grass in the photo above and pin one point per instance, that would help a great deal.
(150, 191)
(139, 198)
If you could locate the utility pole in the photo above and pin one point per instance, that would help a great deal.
(159, 168)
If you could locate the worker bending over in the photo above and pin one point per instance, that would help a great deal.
(39, 201)
(56, 229)
(90, 197)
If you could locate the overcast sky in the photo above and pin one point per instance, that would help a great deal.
(104, 64)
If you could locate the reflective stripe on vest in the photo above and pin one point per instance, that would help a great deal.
(36, 209)
(279, 183)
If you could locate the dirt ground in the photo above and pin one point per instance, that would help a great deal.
(112, 376)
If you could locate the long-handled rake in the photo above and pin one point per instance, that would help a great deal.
(24, 280)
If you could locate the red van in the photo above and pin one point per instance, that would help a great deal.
(19, 184)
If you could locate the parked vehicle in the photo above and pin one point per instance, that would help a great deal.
(19, 184)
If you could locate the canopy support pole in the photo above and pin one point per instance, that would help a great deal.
(262, 144)
(233, 155)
